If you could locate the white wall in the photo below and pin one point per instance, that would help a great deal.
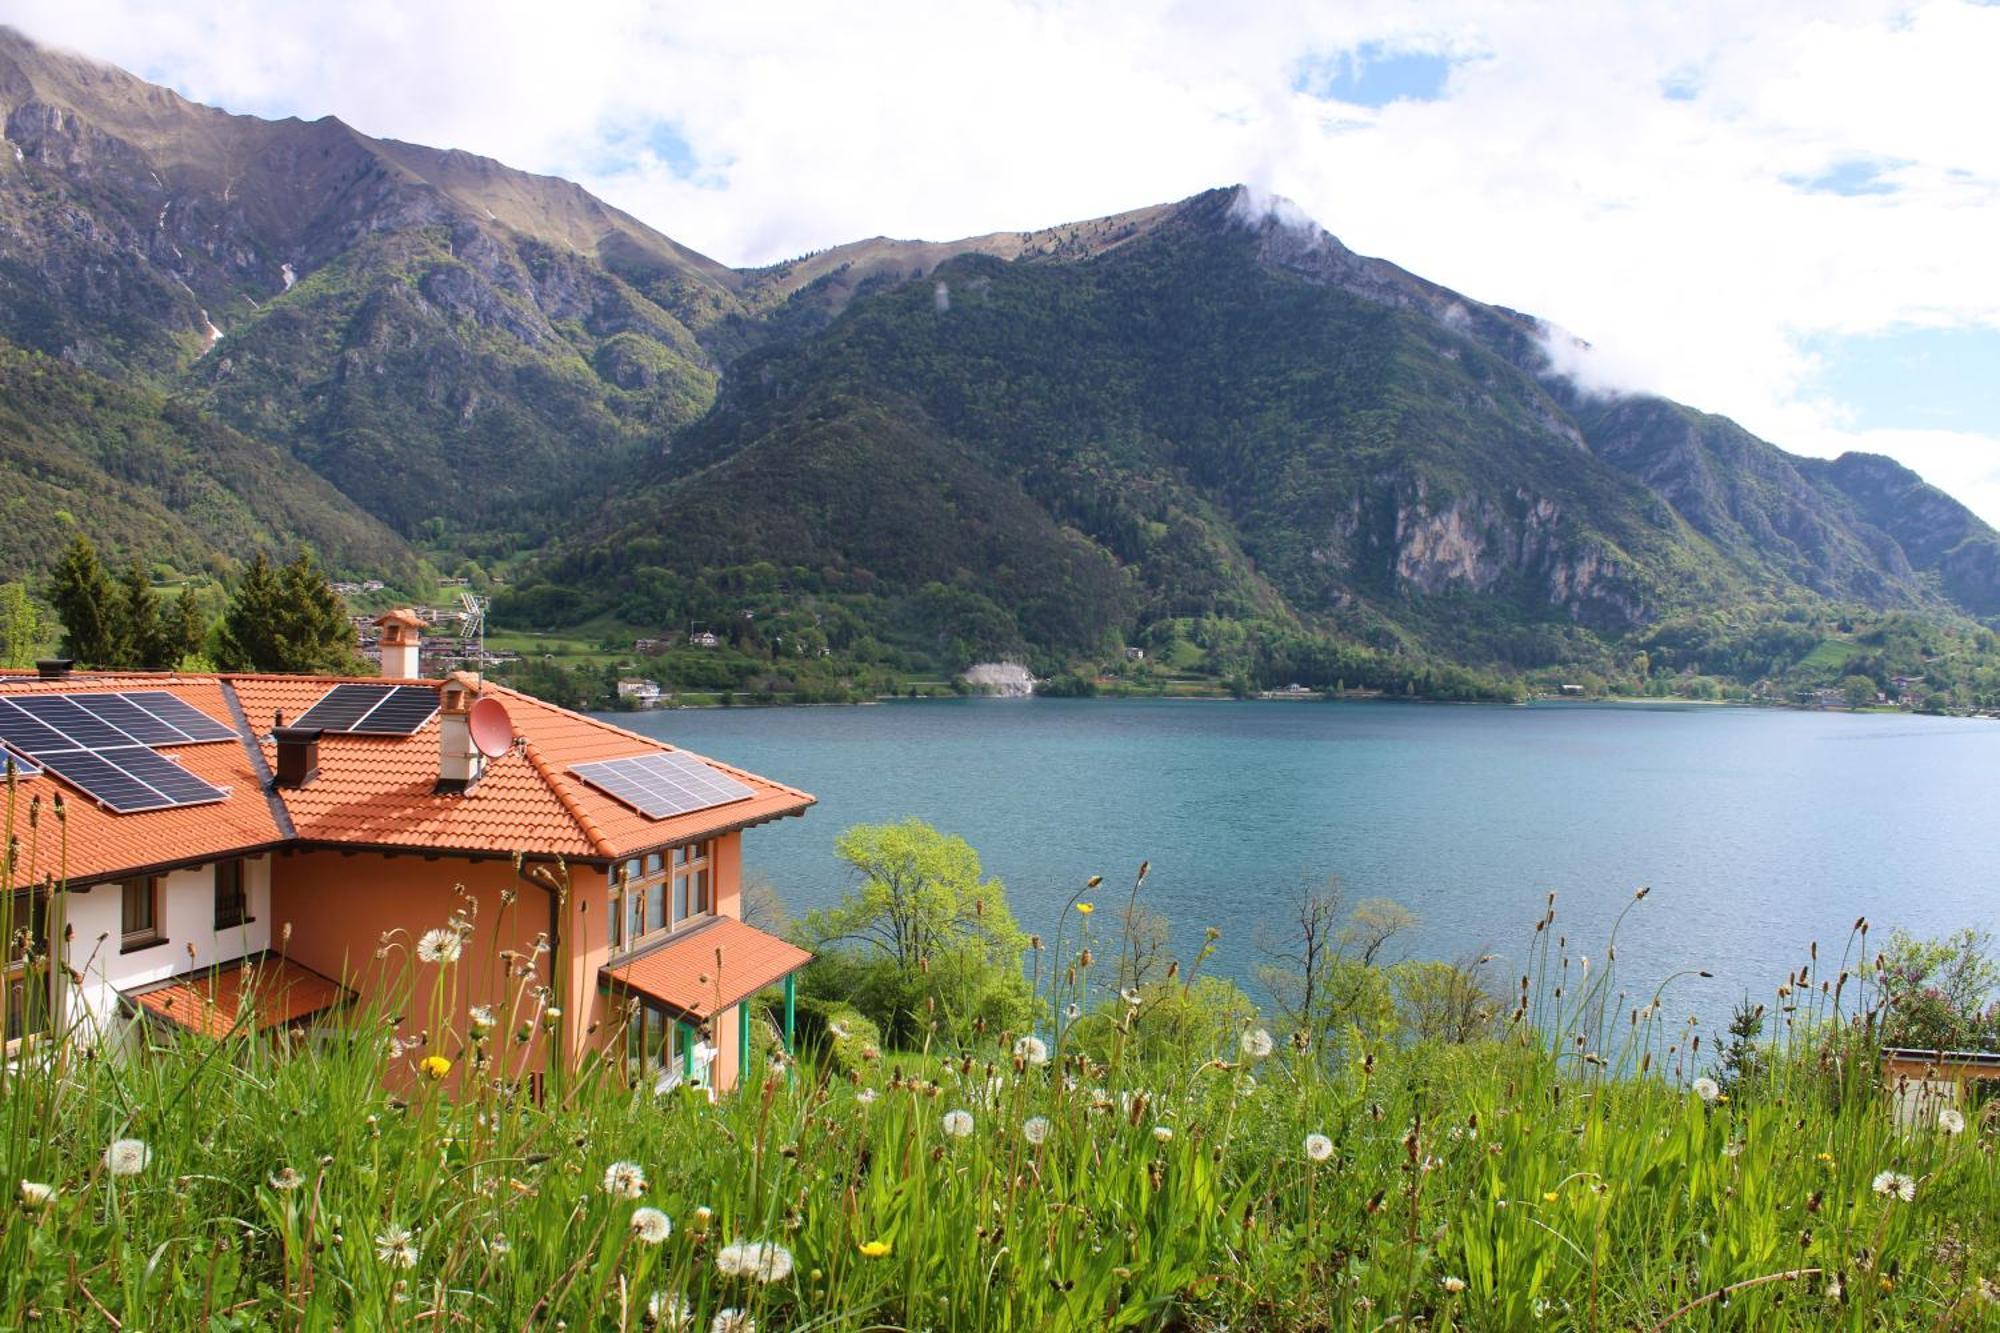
(186, 917)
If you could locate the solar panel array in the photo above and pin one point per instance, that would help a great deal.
(663, 783)
(104, 745)
(23, 766)
(372, 710)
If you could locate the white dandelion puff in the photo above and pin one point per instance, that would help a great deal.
(1951, 1120)
(1894, 1184)
(1453, 1285)
(732, 1321)
(440, 944)
(1319, 1148)
(286, 1180)
(482, 1018)
(127, 1157)
(35, 1195)
(1130, 996)
(1257, 1044)
(396, 1246)
(1032, 1049)
(650, 1225)
(1163, 1133)
(1707, 1089)
(958, 1124)
(867, 1096)
(624, 1180)
(1035, 1129)
(670, 1310)
(762, 1260)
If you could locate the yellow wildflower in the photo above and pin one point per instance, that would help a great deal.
(1085, 909)
(875, 1249)
(1548, 1196)
(434, 1066)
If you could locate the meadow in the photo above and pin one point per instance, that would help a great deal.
(1589, 1167)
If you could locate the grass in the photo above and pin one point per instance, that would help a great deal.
(1570, 1173)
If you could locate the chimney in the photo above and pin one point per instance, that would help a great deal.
(460, 764)
(298, 755)
(402, 632)
(54, 668)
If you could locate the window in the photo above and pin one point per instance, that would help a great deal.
(25, 974)
(660, 892)
(140, 915)
(232, 895)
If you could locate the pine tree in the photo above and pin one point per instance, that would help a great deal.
(287, 620)
(21, 626)
(87, 604)
(140, 642)
(186, 629)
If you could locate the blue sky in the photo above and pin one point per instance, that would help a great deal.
(1783, 212)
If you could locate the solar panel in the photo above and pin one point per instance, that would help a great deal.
(85, 730)
(113, 778)
(129, 718)
(663, 784)
(25, 735)
(406, 709)
(372, 710)
(342, 706)
(24, 767)
(183, 716)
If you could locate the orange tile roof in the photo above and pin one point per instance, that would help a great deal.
(704, 970)
(402, 615)
(377, 791)
(210, 1002)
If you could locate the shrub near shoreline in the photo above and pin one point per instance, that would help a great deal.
(1554, 1176)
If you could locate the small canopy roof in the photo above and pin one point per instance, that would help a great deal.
(402, 615)
(704, 970)
(266, 989)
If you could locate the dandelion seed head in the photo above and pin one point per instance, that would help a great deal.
(1163, 1133)
(1707, 1089)
(1035, 1129)
(762, 1261)
(1257, 1044)
(1894, 1184)
(286, 1180)
(1453, 1285)
(670, 1310)
(1319, 1148)
(36, 1196)
(958, 1123)
(440, 944)
(1032, 1049)
(127, 1157)
(624, 1180)
(732, 1321)
(650, 1226)
(396, 1246)
(1951, 1120)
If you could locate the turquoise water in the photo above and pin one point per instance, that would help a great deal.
(1758, 831)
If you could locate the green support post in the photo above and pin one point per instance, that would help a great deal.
(742, 1040)
(791, 1010)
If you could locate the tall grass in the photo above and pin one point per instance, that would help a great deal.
(332, 1182)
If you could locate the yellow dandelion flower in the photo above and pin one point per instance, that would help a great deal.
(434, 1066)
(1085, 909)
(1548, 1196)
(875, 1249)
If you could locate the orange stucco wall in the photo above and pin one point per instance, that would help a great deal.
(339, 907)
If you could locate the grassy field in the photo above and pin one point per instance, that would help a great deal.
(1580, 1172)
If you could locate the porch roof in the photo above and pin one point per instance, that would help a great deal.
(704, 970)
(274, 990)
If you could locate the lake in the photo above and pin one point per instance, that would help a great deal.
(1759, 831)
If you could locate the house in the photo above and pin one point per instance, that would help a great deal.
(1135, 654)
(645, 693)
(704, 640)
(277, 836)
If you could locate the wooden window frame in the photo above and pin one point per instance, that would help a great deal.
(633, 897)
(152, 935)
(242, 898)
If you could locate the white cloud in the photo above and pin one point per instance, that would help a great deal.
(1555, 176)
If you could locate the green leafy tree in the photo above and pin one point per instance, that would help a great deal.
(186, 628)
(142, 640)
(87, 604)
(22, 626)
(1860, 691)
(923, 937)
(287, 620)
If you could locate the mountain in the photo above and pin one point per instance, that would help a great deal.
(443, 338)
(1214, 409)
(1203, 423)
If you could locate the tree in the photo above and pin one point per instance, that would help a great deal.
(87, 604)
(186, 628)
(1325, 976)
(287, 620)
(1443, 1002)
(1860, 691)
(922, 938)
(22, 626)
(141, 642)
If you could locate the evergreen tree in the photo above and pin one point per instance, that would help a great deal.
(140, 641)
(87, 604)
(186, 629)
(287, 620)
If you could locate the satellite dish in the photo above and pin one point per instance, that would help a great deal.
(492, 729)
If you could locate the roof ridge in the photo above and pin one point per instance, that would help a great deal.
(588, 826)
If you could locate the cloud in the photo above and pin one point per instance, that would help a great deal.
(1633, 173)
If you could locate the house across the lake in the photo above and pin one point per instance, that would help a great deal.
(230, 835)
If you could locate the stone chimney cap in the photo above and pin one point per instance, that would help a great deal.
(465, 680)
(402, 615)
